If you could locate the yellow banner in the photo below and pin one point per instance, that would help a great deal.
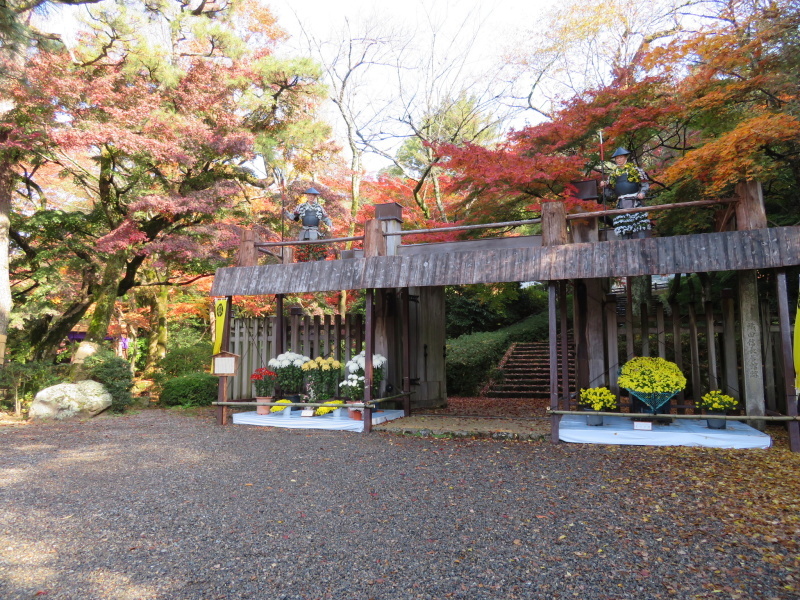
(797, 346)
(220, 308)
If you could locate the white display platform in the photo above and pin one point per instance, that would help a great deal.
(682, 432)
(344, 423)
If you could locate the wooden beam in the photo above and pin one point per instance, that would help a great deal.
(771, 248)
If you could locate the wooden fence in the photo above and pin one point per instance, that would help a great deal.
(255, 341)
(710, 348)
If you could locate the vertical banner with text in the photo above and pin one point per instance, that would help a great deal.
(220, 308)
(797, 346)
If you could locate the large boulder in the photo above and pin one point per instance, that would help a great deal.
(70, 400)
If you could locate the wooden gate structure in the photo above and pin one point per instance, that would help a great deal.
(572, 248)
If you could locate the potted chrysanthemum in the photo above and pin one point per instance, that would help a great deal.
(288, 368)
(353, 385)
(597, 399)
(652, 380)
(717, 403)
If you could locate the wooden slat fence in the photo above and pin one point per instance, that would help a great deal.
(708, 353)
(255, 340)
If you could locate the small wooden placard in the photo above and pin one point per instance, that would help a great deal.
(224, 364)
(307, 412)
(643, 425)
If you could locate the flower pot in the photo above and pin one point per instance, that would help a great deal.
(337, 413)
(286, 413)
(356, 415)
(594, 420)
(262, 410)
(716, 423)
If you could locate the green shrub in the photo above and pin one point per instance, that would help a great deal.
(24, 380)
(471, 358)
(197, 389)
(115, 375)
(187, 360)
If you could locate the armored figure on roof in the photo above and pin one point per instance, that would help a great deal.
(310, 214)
(629, 185)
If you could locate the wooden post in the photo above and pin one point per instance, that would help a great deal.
(694, 348)
(554, 233)
(248, 255)
(579, 319)
(374, 241)
(661, 333)
(713, 378)
(222, 389)
(287, 255)
(788, 359)
(337, 337)
(586, 231)
(280, 324)
(406, 309)
(677, 345)
(554, 224)
(750, 214)
(369, 347)
(390, 216)
(553, 315)
(729, 344)
(644, 317)
(562, 301)
(612, 331)
(630, 351)
(752, 358)
(769, 359)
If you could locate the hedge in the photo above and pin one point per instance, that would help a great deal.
(198, 389)
(470, 358)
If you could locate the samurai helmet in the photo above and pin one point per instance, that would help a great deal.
(621, 151)
(312, 191)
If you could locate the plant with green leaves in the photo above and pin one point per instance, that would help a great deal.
(717, 401)
(598, 398)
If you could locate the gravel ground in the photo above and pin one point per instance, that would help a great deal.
(161, 505)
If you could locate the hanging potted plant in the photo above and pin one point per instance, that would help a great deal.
(717, 403)
(597, 399)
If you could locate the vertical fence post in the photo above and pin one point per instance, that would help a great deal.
(788, 359)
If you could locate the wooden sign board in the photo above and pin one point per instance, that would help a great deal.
(224, 364)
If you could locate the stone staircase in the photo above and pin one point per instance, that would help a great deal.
(526, 372)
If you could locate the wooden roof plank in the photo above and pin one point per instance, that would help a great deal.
(723, 251)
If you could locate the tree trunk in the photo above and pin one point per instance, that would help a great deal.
(6, 189)
(157, 337)
(105, 298)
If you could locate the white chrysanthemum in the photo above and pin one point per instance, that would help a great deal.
(272, 363)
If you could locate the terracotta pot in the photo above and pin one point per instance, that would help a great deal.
(262, 410)
(356, 415)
